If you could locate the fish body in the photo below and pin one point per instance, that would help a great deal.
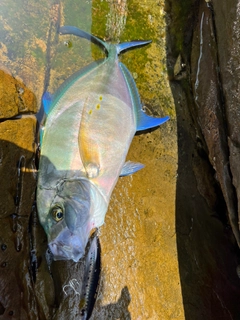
(91, 121)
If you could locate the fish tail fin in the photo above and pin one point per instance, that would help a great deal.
(119, 47)
(130, 45)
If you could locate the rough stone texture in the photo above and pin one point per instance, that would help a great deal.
(228, 35)
(15, 97)
(207, 250)
(210, 108)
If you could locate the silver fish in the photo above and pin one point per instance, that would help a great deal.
(90, 123)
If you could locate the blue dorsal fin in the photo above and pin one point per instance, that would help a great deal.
(130, 167)
(47, 101)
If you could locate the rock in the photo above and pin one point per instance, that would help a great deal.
(228, 49)
(15, 97)
(207, 250)
(210, 108)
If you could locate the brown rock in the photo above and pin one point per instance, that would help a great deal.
(207, 251)
(228, 47)
(209, 106)
(15, 97)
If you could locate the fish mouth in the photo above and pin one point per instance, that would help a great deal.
(62, 251)
(68, 245)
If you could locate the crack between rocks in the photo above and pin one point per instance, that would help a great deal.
(20, 116)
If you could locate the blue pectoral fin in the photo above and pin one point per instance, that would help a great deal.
(130, 168)
(47, 101)
(145, 122)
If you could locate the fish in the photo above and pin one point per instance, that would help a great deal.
(90, 123)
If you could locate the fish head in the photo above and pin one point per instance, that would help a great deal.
(65, 214)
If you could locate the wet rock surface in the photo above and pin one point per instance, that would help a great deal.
(140, 261)
(17, 99)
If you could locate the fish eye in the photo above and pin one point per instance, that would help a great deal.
(57, 213)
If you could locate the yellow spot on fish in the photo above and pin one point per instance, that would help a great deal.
(100, 98)
(98, 106)
(90, 112)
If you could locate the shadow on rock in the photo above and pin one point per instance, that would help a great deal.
(19, 293)
(114, 311)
